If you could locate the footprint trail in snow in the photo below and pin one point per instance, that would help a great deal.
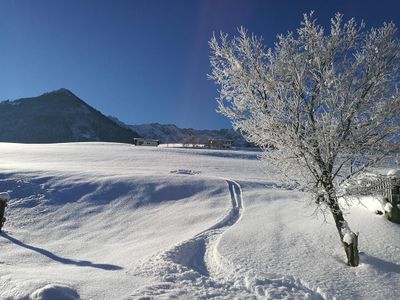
(196, 269)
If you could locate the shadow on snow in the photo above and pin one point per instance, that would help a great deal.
(67, 261)
(380, 264)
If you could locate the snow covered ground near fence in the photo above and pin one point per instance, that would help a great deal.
(114, 221)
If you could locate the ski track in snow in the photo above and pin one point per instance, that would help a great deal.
(196, 269)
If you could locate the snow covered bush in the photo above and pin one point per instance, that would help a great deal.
(55, 291)
(323, 105)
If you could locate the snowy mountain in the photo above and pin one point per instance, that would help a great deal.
(57, 117)
(170, 133)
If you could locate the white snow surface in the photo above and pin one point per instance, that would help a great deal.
(114, 221)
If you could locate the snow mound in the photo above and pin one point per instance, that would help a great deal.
(388, 207)
(5, 196)
(185, 172)
(55, 291)
(348, 239)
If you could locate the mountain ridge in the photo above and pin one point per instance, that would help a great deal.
(57, 117)
(60, 116)
(170, 133)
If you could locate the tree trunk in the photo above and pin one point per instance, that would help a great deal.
(352, 251)
(3, 205)
(351, 248)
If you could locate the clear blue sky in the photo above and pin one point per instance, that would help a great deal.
(144, 60)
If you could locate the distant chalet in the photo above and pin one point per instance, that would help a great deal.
(219, 144)
(211, 144)
(145, 142)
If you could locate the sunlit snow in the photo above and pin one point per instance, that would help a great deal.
(115, 221)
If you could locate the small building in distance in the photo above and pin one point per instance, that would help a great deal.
(219, 144)
(145, 142)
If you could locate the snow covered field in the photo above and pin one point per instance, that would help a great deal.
(114, 221)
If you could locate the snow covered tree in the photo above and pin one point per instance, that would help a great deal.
(324, 106)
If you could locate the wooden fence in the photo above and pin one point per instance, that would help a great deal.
(387, 187)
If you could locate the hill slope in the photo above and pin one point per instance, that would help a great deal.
(113, 221)
(57, 117)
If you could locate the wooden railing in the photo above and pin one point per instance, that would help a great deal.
(387, 187)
